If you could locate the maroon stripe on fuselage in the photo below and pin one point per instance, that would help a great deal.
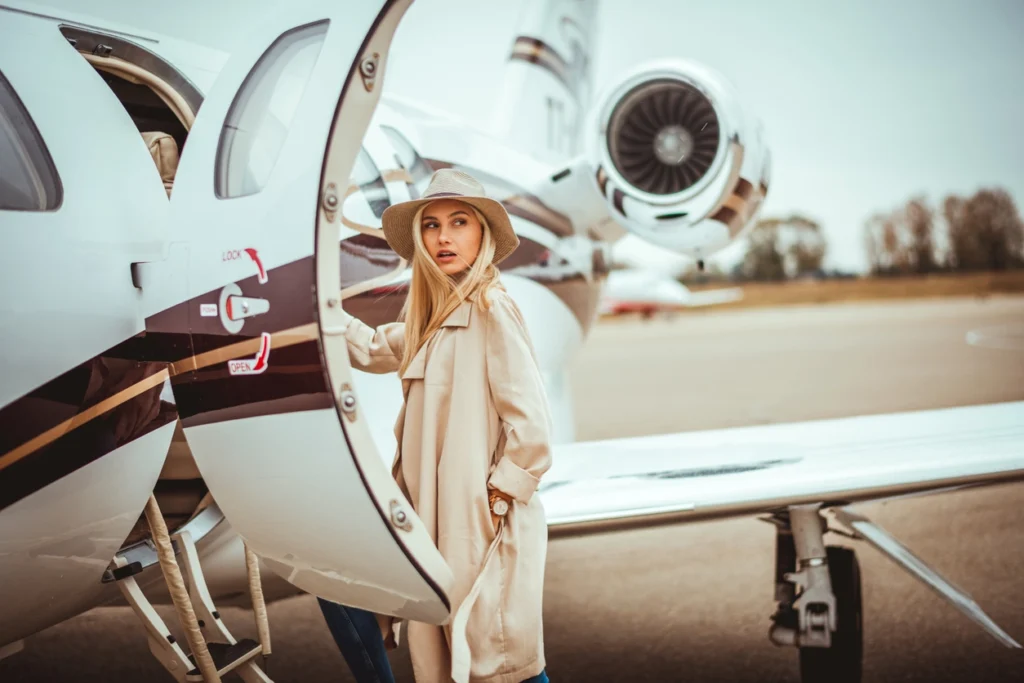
(73, 393)
(167, 344)
(293, 382)
(291, 291)
(294, 379)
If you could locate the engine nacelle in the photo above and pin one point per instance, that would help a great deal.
(677, 159)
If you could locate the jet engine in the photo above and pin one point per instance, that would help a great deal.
(677, 159)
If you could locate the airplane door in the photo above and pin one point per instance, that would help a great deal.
(83, 429)
(266, 401)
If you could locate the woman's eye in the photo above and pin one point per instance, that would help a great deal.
(428, 226)
(460, 221)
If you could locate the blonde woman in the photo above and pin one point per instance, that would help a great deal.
(473, 438)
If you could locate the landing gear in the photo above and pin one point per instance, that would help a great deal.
(819, 596)
(840, 663)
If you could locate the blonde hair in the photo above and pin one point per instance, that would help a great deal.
(433, 295)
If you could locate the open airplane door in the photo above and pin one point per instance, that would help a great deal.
(83, 427)
(266, 401)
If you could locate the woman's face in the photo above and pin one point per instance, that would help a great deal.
(452, 235)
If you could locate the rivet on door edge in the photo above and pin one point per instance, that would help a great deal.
(347, 398)
(368, 71)
(399, 517)
(330, 201)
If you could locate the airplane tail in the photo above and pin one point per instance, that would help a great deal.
(548, 80)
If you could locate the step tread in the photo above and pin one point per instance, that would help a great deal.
(226, 657)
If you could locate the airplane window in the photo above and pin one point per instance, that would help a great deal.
(258, 120)
(28, 178)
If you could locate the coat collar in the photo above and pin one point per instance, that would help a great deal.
(457, 318)
(460, 316)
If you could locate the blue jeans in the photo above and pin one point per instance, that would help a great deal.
(357, 635)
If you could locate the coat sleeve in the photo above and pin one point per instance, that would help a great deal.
(374, 350)
(518, 393)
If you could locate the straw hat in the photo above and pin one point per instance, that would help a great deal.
(448, 183)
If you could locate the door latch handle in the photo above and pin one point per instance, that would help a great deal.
(241, 307)
(235, 308)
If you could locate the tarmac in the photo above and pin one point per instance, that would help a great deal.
(691, 603)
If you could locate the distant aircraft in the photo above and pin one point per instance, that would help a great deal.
(645, 279)
(649, 293)
(181, 229)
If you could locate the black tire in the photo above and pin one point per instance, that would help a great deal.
(841, 663)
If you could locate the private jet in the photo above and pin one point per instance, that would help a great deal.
(182, 230)
(646, 280)
(649, 293)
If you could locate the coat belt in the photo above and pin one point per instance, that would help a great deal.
(461, 656)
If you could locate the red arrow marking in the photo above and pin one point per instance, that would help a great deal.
(253, 366)
(259, 264)
(263, 355)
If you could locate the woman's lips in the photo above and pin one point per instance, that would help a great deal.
(446, 256)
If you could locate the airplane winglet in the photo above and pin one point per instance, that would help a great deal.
(885, 543)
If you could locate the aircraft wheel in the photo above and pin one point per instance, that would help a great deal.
(842, 662)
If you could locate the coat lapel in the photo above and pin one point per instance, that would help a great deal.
(418, 364)
(460, 316)
(457, 318)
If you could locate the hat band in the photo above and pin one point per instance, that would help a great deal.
(443, 194)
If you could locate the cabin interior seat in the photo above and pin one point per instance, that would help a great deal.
(165, 155)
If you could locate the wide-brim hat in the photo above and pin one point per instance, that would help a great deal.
(447, 183)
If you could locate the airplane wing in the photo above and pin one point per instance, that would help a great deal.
(673, 478)
(794, 472)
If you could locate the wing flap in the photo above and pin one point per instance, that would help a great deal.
(648, 481)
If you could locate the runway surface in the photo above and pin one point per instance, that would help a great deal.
(692, 603)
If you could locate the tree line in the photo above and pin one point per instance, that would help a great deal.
(783, 249)
(982, 232)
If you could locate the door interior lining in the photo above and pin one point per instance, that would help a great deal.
(104, 45)
(136, 74)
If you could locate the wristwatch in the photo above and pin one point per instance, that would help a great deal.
(499, 505)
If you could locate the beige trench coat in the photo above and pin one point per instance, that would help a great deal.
(475, 414)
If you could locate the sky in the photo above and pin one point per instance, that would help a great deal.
(865, 104)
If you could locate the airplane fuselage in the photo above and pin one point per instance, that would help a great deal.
(98, 412)
(185, 229)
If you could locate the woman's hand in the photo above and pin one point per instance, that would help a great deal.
(493, 496)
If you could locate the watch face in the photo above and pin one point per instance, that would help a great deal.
(500, 507)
